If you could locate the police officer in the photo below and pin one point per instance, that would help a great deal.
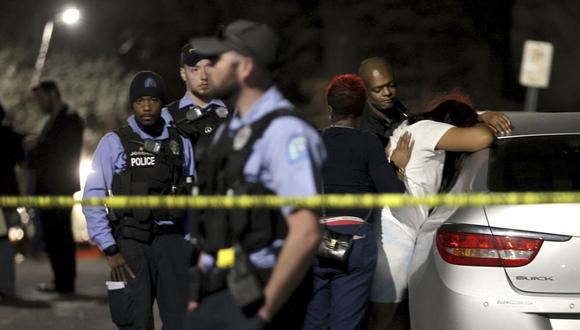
(264, 148)
(197, 114)
(145, 248)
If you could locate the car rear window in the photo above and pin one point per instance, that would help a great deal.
(536, 163)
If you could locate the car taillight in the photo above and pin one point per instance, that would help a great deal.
(473, 249)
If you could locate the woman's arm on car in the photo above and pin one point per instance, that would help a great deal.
(498, 122)
(468, 139)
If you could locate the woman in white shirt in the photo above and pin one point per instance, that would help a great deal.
(440, 139)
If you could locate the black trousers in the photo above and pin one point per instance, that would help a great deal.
(6, 267)
(60, 246)
(160, 270)
(219, 311)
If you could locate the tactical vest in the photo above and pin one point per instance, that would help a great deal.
(151, 168)
(197, 125)
(222, 173)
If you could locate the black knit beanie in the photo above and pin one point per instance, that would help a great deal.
(147, 83)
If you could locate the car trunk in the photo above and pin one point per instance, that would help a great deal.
(556, 267)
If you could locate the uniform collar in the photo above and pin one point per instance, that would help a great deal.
(271, 100)
(186, 102)
(133, 124)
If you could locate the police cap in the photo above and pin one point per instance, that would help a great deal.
(190, 56)
(248, 38)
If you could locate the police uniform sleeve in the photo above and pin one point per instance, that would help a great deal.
(188, 158)
(107, 160)
(293, 153)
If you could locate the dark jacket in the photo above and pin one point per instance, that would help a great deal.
(12, 153)
(382, 125)
(356, 164)
(56, 157)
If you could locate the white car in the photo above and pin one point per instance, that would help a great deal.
(506, 267)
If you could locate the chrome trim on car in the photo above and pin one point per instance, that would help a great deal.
(485, 230)
(509, 137)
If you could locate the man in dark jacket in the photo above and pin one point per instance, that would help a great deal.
(54, 157)
(383, 111)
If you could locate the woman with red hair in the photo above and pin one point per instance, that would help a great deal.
(356, 164)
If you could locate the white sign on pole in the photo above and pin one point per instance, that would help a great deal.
(536, 64)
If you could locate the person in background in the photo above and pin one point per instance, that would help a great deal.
(383, 111)
(144, 247)
(13, 153)
(356, 164)
(197, 114)
(54, 158)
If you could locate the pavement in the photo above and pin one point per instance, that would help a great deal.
(87, 309)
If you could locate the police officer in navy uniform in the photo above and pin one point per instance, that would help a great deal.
(265, 148)
(145, 248)
(197, 114)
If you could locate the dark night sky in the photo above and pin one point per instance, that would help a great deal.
(434, 45)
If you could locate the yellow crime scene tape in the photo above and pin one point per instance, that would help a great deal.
(320, 201)
(225, 258)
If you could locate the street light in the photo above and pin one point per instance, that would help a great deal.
(70, 16)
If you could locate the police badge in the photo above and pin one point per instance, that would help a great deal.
(242, 137)
(221, 112)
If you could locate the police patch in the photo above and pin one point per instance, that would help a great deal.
(140, 160)
(296, 148)
(221, 112)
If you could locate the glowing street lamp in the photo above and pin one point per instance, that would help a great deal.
(69, 17)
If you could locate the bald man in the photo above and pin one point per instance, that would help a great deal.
(381, 115)
(383, 112)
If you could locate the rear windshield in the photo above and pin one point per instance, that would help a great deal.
(540, 163)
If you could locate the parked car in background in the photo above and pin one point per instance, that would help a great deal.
(512, 266)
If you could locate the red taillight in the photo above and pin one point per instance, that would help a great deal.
(471, 249)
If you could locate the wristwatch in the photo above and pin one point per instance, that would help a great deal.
(111, 250)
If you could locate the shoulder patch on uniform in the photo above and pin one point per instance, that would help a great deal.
(296, 148)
